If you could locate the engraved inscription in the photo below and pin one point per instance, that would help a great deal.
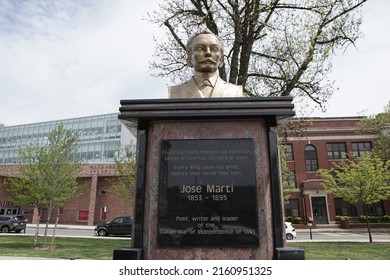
(209, 188)
(207, 193)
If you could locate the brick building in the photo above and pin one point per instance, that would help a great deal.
(95, 205)
(100, 139)
(328, 141)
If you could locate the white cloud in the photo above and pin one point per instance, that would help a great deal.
(64, 59)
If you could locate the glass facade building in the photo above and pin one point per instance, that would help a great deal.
(100, 137)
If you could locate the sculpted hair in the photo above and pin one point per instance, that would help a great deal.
(191, 39)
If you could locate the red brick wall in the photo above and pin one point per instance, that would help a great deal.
(104, 197)
(321, 132)
(116, 206)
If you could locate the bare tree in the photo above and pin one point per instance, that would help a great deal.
(272, 47)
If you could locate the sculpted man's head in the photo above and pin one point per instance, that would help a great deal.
(205, 52)
(205, 55)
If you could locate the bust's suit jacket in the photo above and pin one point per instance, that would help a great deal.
(190, 89)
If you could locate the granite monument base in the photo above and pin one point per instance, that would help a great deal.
(208, 183)
(203, 222)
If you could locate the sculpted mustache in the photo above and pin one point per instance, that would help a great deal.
(208, 60)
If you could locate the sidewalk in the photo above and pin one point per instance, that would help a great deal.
(61, 226)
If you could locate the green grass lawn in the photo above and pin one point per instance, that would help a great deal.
(344, 250)
(64, 248)
(102, 249)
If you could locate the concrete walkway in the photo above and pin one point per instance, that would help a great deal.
(62, 226)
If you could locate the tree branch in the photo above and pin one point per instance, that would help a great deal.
(177, 39)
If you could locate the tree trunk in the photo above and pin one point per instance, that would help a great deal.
(47, 223)
(367, 223)
(37, 227)
(54, 232)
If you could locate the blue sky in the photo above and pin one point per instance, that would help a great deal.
(65, 59)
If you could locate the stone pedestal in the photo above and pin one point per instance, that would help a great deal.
(208, 183)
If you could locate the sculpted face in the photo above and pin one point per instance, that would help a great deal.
(206, 55)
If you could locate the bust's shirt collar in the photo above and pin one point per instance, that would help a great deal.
(199, 77)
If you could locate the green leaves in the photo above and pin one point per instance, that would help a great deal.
(124, 185)
(365, 181)
(48, 172)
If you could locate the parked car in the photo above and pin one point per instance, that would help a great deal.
(119, 226)
(290, 231)
(9, 223)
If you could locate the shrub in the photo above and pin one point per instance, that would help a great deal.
(386, 219)
(293, 219)
(288, 219)
(296, 220)
(371, 219)
(338, 218)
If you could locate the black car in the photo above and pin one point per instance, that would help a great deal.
(119, 226)
(9, 223)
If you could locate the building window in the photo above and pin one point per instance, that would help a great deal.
(311, 158)
(28, 211)
(360, 147)
(344, 208)
(336, 150)
(83, 215)
(61, 211)
(288, 150)
(376, 209)
(291, 208)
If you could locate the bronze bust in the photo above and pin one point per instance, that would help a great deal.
(205, 55)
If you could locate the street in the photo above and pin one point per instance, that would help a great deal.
(317, 235)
